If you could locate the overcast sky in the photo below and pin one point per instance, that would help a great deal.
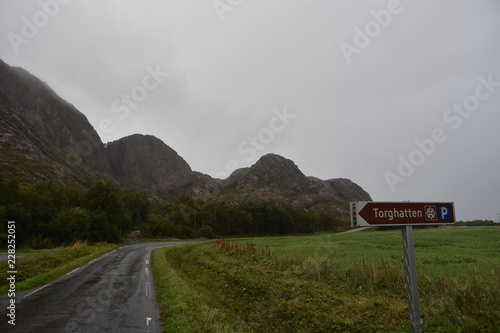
(402, 97)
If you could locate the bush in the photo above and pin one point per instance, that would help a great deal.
(39, 242)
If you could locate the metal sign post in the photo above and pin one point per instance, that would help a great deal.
(411, 279)
(405, 214)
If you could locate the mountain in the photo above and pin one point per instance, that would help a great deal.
(278, 175)
(271, 178)
(51, 117)
(273, 172)
(43, 137)
(144, 160)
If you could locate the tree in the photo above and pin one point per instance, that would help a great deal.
(71, 224)
(231, 220)
(138, 205)
(109, 218)
(269, 218)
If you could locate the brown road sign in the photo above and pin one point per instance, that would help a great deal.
(372, 213)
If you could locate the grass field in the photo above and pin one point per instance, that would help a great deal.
(331, 283)
(43, 266)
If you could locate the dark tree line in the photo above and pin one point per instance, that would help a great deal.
(187, 217)
(476, 223)
(48, 214)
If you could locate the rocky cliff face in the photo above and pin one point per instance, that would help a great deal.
(144, 160)
(42, 137)
(51, 117)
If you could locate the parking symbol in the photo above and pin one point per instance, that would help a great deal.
(444, 213)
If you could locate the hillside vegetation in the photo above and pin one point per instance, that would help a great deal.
(49, 214)
(331, 283)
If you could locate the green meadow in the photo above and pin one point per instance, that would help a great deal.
(353, 282)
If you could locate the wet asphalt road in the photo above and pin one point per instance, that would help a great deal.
(114, 293)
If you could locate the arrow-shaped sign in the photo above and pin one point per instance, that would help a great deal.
(372, 213)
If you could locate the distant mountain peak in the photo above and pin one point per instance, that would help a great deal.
(276, 168)
(144, 160)
(277, 174)
(271, 171)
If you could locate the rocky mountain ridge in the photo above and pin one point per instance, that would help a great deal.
(282, 175)
(144, 160)
(43, 137)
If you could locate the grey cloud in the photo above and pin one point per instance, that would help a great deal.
(353, 119)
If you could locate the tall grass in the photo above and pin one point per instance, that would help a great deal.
(367, 273)
(472, 305)
(79, 244)
(466, 303)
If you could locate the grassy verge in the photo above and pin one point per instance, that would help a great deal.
(331, 283)
(184, 306)
(43, 266)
